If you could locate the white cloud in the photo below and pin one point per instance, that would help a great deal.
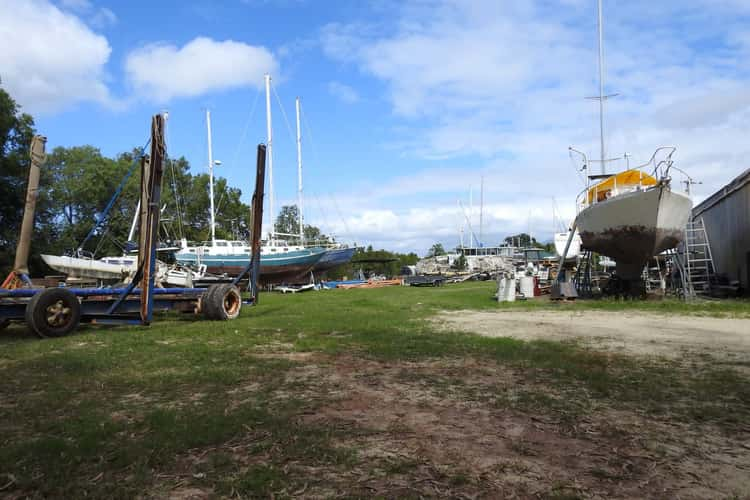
(161, 72)
(498, 87)
(77, 5)
(343, 92)
(50, 59)
(99, 17)
(103, 17)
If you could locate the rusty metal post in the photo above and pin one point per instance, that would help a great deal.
(21, 265)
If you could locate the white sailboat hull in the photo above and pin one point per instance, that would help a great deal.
(561, 239)
(88, 268)
(632, 227)
(75, 267)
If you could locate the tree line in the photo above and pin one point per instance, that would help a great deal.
(77, 183)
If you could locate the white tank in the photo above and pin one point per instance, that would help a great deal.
(526, 285)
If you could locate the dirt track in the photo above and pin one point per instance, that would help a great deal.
(724, 339)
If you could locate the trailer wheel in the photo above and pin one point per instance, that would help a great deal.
(54, 312)
(4, 323)
(222, 302)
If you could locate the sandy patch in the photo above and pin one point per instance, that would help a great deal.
(672, 336)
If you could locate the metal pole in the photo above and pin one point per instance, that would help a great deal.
(481, 210)
(269, 155)
(211, 177)
(21, 264)
(601, 90)
(472, 237)
(299, 177)
(135, 221)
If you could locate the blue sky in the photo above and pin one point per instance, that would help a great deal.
(407, 105)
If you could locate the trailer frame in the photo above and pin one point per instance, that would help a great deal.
(57, 311)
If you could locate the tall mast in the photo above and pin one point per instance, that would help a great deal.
(211, 177)
(299, 178)
(269, 148)
(481, 210)
(460, 226)
(471, 214)
(601, 90)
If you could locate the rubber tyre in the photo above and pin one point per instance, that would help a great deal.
(4, 323)
(222, 302)
(207, 304)
(54, 312)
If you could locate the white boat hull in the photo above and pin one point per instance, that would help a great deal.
(78, 268)
(633, 227)
(561, 239)
(88, 268)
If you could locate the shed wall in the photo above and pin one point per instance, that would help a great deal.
(726, 215)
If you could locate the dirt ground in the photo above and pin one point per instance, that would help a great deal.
(473, 428)
(672, 336)
(444, 429)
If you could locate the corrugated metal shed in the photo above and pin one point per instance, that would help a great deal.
(726, 215)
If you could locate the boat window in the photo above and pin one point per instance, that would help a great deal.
(247, 250)
(192, 250)
(236, 243)
(273, 249)
(207, 250)
(221, 243)
(286, 249)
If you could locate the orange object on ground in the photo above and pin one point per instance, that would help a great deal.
(373, 284)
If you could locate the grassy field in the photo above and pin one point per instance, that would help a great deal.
(265, 405)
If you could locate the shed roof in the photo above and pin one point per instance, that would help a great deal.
(737, 183)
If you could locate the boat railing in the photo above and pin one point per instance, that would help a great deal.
(658, 169)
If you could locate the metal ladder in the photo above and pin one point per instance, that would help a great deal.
(582, 277)
(699, 263)
(649, 272)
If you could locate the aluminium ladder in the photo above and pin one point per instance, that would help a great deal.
(699, 262)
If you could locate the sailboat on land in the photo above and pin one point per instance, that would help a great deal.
(280, 262)
(632, 215)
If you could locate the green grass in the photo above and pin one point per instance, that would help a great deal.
(113, 412)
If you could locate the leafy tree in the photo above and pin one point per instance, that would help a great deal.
(374, 262)
(435, 250)
(81, 182)
(524, 240)
(521, 240)
(16, 132)
(287, 222)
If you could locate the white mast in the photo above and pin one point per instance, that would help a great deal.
(211, 178)
(269, 147)
(601, 90)
(481, 210)
(471, 214)
(460, 226)
(299, 178)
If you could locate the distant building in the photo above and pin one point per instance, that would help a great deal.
(726, 215)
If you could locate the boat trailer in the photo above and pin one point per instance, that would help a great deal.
(57, 311)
